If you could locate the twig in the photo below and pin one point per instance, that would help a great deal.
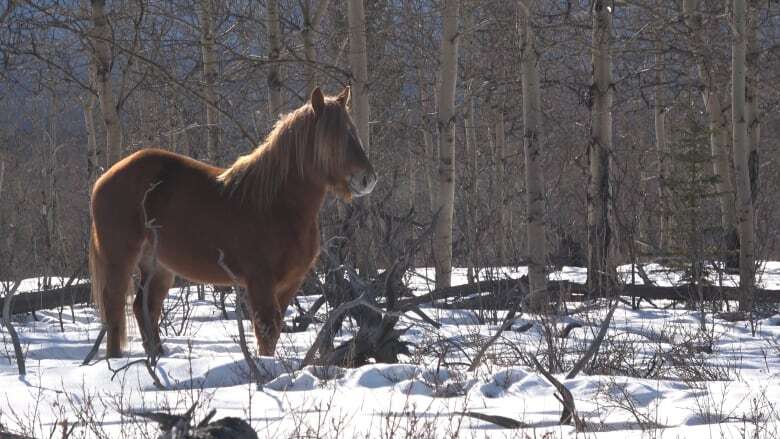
(253, 369)
(152, 352)
(508, 321)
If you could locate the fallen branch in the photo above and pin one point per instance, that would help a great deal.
(501, 421)
(180, 426)
(508, 321)
(95, 346)
(326, 334)
(9, 295)
(594, 347)
(253, 369)
(564, 396)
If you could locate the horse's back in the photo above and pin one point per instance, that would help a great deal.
(119, 208)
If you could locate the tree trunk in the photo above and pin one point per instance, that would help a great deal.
(274, 52)
(600, 277)
(472, 203)
(741, 169)
(207, 40)
(718, 128)
(753, 117)
(101, 38)
(358, 60)
(502, 231)
(88, 105)
(311, 25)
(534, 176)
(662, 148)
(442, 233)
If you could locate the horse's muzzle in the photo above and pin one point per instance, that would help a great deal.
(362, 183)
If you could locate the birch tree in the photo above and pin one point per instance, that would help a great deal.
(503, 188)
(442, 233)
(274, 80)
(751, 96)
(599, 152)
(741, 151)
(358, 60)
(88, 104)
(101, 39)
(662, 149)
(718, 126)
(206, 12)
(311, 25)
(532, 143)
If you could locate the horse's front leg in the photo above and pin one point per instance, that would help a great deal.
(267, 316)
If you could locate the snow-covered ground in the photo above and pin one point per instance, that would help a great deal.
(654, 376)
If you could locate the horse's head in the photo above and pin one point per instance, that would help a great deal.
(339, 148)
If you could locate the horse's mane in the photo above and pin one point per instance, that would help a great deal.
(256, 178)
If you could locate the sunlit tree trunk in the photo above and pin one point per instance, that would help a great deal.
(101, 38)
(274, 79)
(311, 24)
(472, 198)
(532, 142)
(358, 60)
(662, 148)
(741, 152)
(209, 78)
(600, 277)
(753, 116)
(442, 233)
(88, 104)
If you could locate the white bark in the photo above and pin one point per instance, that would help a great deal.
(101, 43)
(274, 80)
(442, 233)
(741, 169)
(358, 60)
(503, 188)
(311, 24)
(88, 105)
(533, 145)
(207, 41)
(472, 200)
(662, 148)
(718, 125)
(753, 116)
(600, 149)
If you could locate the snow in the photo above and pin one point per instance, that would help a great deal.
(428, 393)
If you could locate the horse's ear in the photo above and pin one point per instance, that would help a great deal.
(344, 97)
(317, 101)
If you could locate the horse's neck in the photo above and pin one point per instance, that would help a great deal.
(301, 199)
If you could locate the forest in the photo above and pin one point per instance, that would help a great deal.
(572, 230)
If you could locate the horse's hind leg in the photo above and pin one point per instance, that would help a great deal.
(117, 283)
(157, 280)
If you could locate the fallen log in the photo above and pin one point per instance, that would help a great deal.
(47, 299)
(503, 293)
(499, 292)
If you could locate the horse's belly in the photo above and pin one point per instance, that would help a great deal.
(194, 264)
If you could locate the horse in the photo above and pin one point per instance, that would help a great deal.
(254, 224)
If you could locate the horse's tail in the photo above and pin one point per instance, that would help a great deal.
(99, 273)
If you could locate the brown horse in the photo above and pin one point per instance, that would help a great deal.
(260, 213)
